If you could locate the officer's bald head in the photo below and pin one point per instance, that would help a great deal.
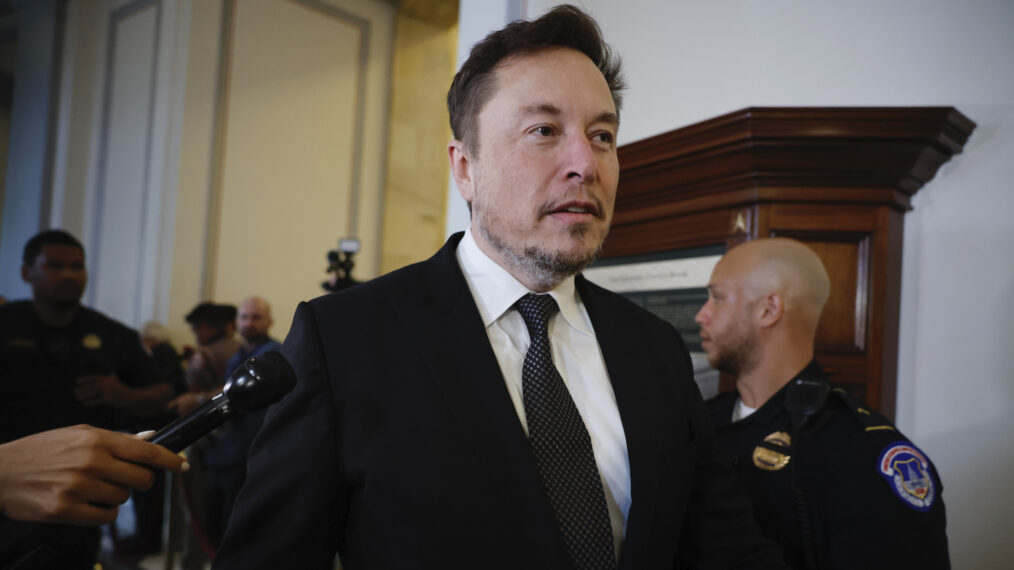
(785, 267)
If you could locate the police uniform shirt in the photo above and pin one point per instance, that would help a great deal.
(38, 368)
(41, 363)
(873, 499)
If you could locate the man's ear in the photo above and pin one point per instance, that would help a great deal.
(461, 169)
(24, 273)
(771, 308)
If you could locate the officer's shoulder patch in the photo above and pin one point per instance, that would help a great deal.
(907, 472)
(870, 420)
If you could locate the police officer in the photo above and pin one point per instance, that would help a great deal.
(63, 364)
(833, 482)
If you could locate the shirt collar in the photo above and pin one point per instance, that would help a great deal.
(775, 406)
(495, 290)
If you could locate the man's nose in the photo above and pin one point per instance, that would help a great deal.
(582, 163)
(700, 317)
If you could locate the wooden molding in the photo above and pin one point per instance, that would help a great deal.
(880, 155)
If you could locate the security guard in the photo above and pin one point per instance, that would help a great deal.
(833, 482)
(63, 364)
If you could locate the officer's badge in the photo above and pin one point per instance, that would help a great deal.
(907, 471)
(91, 341)
(773, 453)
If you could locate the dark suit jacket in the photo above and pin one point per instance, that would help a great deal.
(400, 448)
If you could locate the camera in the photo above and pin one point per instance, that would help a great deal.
(340, 265)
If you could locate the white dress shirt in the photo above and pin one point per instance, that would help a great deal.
(576, 354)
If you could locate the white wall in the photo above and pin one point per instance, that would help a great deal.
(476, 19)
(688, 61)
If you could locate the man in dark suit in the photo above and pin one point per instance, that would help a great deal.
(490, 408)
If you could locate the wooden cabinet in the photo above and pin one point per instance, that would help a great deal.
(839, 179)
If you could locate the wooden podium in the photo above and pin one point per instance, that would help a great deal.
(839, 179)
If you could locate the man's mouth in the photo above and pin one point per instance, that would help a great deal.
(575, 207)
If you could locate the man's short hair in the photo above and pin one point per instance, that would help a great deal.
(212, 313)
(47, 237)
(563, 26)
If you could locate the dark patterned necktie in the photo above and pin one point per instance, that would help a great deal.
(562, 446)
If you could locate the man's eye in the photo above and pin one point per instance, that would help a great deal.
(605, 137)
(543, 131)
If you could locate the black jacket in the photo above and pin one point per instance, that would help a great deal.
(400, 448)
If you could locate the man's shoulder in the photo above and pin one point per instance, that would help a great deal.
(860, 430)
(857, 414)
(869, 447)
(20, 326)
(599, 297)
(224, 347)
(14, 313)
(92, 319)
(413, 281)
(15, 307)
(269, 345)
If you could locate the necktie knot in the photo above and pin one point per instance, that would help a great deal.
(536, 310)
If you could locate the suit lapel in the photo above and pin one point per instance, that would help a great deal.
(465, 371)
(630, 378)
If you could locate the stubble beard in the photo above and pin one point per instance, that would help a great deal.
(545, 269)
(739, 358)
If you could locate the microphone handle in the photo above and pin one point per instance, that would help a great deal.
(178, 435)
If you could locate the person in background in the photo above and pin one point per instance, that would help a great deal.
(214, 329)
(832, 481)
(148, 504)
(65, 364)
(227, 448)
(155, 339)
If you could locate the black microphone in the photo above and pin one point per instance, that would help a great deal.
(258, 382)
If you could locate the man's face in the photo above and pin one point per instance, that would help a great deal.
(543, 182)
(253, 321)
(57, 276)
(727, 333)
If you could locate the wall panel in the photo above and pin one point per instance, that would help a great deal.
(294, 160)
(118, 246)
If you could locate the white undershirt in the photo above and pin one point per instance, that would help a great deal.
(576, 354)
(741, 410)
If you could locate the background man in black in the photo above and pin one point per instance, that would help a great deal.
(64, 364)
(869, 497)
